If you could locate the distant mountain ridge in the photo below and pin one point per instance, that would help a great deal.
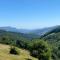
(31, 32)
(13, 29)
(55, 30)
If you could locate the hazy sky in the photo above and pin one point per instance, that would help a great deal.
(29, 14)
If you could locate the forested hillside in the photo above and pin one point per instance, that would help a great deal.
(53, 38)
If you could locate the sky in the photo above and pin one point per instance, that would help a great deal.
(29, 14)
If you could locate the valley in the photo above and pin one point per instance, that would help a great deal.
(30, 46)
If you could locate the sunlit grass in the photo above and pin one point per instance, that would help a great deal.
(4, 54)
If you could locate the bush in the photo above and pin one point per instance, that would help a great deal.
(14, 50)
(40, 49)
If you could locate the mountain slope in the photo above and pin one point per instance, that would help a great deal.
(53, 38)
(55, 30)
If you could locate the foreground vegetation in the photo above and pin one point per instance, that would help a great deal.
(5, 55)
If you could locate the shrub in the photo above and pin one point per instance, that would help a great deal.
(14, 50)
(40, 49)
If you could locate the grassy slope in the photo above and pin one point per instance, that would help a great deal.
(4, 54)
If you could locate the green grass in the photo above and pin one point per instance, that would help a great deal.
(4, 54)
